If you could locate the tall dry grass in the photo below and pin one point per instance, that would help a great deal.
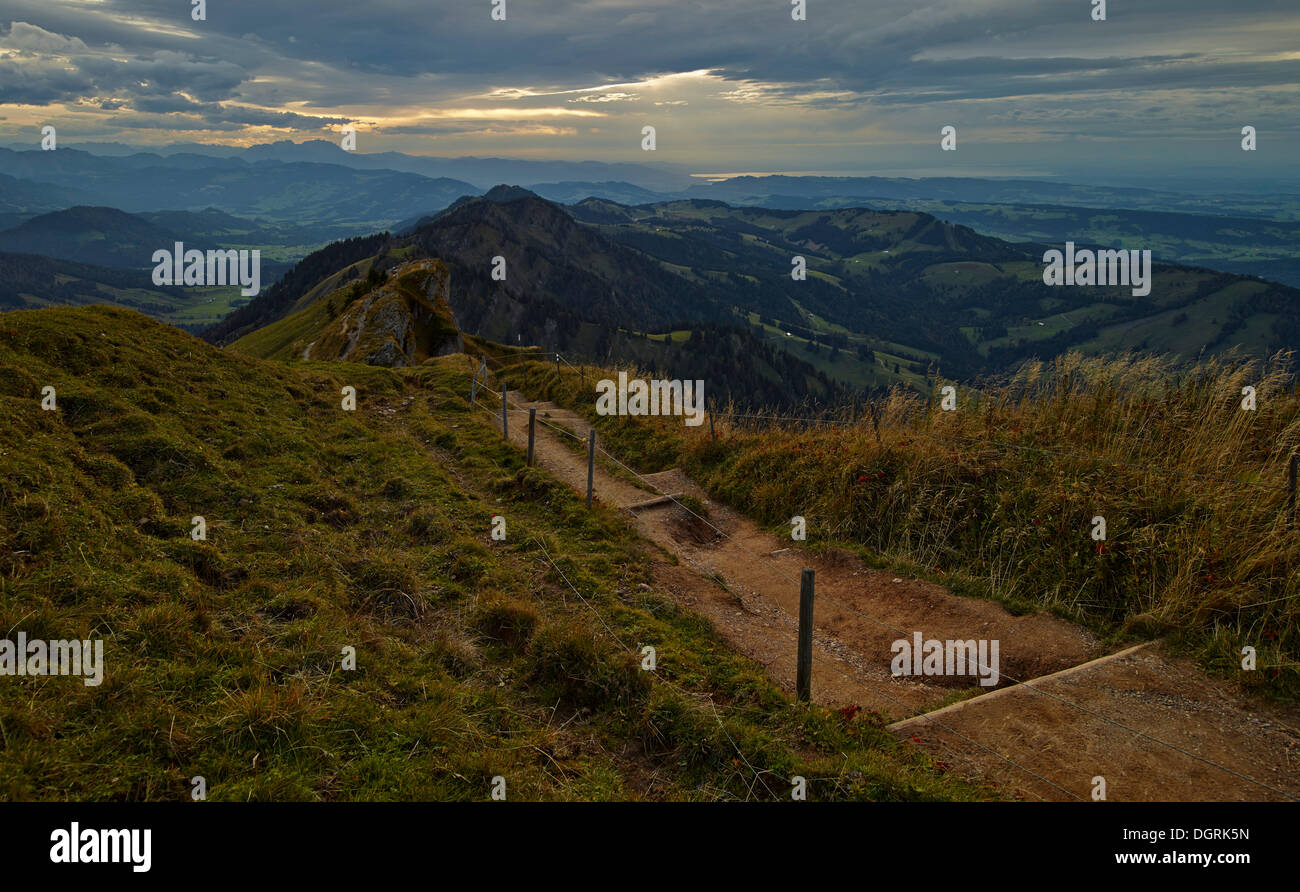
(998, 496)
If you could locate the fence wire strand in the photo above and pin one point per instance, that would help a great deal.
(1016, 682)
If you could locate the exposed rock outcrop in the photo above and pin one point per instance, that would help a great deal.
(401, 322)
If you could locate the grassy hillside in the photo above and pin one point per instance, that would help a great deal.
(905, 285)
(557, 270)
(317, 274)
(96, 235)
(397, 319)
(1246, 245)
(105, 236)
(334, 319)
(28, 281)
(996, 499)
(369, 529)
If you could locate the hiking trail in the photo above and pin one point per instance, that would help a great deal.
(1082, 712)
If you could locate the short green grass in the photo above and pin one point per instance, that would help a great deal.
(370, 529)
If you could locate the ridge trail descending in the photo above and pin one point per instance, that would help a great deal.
(1068, 729)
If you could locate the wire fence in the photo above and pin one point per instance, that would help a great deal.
(921, 714)
(791, 637)
(1290, 487)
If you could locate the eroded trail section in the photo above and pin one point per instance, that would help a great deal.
(860, 612)
(1067, 729)
(746, 581)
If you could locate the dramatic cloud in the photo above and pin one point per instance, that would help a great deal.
(861, 84)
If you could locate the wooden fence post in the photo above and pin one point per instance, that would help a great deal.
(532, 428)
(505, 420)
(591, 464)
(803, 676)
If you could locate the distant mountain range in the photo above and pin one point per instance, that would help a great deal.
(21, 200)
(906, 278)
(482, 172)
(690, 286)
(295, 193)
(328, 193)
(803, 192)
(107, 236)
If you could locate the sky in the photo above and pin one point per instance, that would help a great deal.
(1033, 87)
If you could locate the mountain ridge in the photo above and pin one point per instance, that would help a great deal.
(598, 277)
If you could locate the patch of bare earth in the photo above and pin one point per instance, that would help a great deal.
(1046, 742)
(1148, 691)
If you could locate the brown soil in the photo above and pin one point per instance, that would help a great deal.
(1151, 692)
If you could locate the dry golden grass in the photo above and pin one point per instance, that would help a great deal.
(996, 497)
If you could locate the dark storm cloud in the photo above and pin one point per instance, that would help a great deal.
(38, 63)
(300, 64)
(244, 115)
(854, 43)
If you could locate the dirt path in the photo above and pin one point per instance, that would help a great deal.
(1148, 691)
(746, 581)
